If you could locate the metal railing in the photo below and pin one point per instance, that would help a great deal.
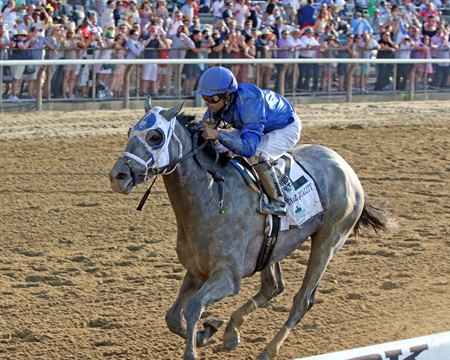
(131, 87)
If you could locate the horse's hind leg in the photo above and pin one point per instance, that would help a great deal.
(271, 286)
(322, 249)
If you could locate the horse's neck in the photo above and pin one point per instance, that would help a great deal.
(189, 185)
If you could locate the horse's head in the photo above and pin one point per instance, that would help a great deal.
(147, 152)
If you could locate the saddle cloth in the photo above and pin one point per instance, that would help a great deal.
(300, 192)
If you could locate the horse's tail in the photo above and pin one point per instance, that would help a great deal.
(374, 215)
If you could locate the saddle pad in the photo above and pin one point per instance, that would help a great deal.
(300, 193)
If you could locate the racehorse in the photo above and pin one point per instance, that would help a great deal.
(219, 249)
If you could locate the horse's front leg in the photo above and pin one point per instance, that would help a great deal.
(174, 317)
(271, 286)
(223, 282)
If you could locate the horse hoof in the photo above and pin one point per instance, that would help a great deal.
(210, 327)
(232, 343)
(189, 355)
(263, 356)
(213, 324)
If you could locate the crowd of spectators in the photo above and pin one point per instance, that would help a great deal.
(240, 29)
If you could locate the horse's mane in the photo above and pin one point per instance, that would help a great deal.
(193, 127)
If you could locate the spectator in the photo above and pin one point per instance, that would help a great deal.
(104, 72)
(306, 15)
(265, 45)
(376, 23)
(360, 25)
(132, 14)
(440, 43)
(308, 48)
(268, 17)
(240, 13)
(187, 10)
(279, 27)
(386, 50)
(327, 50)
(291, 7)
(233, 51)
(285, 51)
(21, 44)
(217, 45)
(163, 69)
(193, 71)
(107, 18)
(384, 12)
(430, 13)
(345, 51)
(119, 51)
(71, 46)
(255, 15)
(5, 42)
(248, 28)
(217, 9)
(196, 25)
(9, 15)
(37, 45)
(135, 48)
(364, 45)
(423, 70)
(247, 70)
(321, 22)
(227, 11)
(403, 70)
(174, 26)
(161, 10)
(152, 42)
(395, 21)
(180, 42)
(119, 14)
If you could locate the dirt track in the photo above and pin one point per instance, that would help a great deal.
(85, 276)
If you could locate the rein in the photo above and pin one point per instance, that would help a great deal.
(174, 163)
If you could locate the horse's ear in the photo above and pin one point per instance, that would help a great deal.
(148, 104)
(172, 112)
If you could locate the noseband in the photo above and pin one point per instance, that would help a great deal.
(167, 169)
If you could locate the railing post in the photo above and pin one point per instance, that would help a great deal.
(40, 84)
(412, 81)
(126, 87)
(394, 78)
(349, 90)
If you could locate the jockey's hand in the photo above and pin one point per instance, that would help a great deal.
(210, 133)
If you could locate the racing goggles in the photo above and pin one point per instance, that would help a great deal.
(213, 99)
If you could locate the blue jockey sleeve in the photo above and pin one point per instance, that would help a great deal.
(249, 116)
(244, 145)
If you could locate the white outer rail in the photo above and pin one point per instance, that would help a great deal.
(430, 347)
(223, 61)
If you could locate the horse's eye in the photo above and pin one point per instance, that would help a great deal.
(154, 138)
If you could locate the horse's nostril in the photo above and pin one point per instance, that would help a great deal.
(121, 176)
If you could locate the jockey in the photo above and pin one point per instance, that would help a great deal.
(264, 123)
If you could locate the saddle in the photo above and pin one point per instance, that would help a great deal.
(300, 192)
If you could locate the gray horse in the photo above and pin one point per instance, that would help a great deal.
(219, 249)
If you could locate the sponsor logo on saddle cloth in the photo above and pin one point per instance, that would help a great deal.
(300, 193)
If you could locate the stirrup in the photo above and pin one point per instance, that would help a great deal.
(273, 208)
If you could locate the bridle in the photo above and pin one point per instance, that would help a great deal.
(172, 165)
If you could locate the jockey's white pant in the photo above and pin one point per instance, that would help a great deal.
(273, 144)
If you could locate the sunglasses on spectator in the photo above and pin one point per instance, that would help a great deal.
(213, 99)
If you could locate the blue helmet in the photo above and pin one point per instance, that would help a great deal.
(217, 80)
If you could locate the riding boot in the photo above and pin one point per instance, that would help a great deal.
(269, 181)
